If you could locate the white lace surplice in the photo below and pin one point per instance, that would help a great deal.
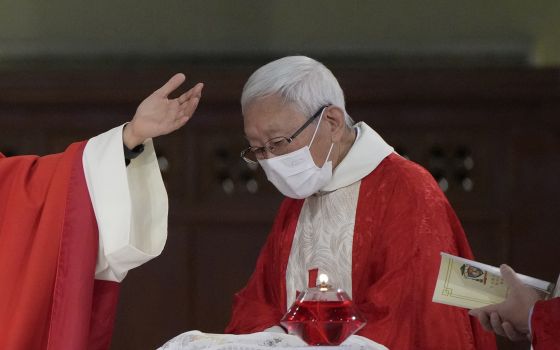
(323, 241)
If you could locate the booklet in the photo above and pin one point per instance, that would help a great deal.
(470, 284)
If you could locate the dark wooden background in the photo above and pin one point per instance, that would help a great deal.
(490, 136)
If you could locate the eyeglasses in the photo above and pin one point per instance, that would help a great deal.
(278, 145)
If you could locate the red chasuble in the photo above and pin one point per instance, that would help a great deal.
(403, 222)
(545, 325)
(49, 298)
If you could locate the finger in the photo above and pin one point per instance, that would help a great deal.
(177, 124)
(174, 110)
(180, 122)
(475, 312)
(171, 85)
(497, 324)
(486, 310)
(184, 97)
(512, 333)
(188, 108)
(195, 91)
(483, 318)
(510, 277)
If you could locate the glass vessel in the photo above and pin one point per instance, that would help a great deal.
(323, 315)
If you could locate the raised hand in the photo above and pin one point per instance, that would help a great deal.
(158, 115)
(511, 317)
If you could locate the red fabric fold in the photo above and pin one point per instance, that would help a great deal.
(403, 222)
(48, 249)
(262, 303)
(545, 325)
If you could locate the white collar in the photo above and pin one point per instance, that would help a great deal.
(368, 150)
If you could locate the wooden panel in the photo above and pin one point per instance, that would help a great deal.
(223, 258)
(536, 202)
(498, 128)
(156, 300)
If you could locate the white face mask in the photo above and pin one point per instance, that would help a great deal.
(295, 174)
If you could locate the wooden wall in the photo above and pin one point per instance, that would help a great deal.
(491, 137)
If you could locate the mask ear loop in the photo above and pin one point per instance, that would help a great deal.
(329, 154)
(315, 133)
(317, 128)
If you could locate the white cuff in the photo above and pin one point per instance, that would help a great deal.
(130, 204)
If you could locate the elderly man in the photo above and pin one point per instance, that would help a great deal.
(371, 220)
(73, 224)
(522, 315)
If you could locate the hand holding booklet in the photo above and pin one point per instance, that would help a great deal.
(470, 284)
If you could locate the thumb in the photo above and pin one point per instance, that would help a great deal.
(481, 310)
(510, 277)
(171, 85)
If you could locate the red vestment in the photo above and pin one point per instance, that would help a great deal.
(49, 298)
(545, 325)
(403, 222)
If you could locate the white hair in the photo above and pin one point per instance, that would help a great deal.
(299, 80)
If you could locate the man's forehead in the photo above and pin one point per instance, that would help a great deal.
(271, 116)
(267, 125)
(271, 104)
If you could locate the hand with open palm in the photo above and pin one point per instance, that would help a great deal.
(158, 115)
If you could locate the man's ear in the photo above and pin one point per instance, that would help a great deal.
(336, 120)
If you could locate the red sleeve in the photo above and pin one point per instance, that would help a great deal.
(262, 303)
(47, 256)
(545, 325)
(416, 223)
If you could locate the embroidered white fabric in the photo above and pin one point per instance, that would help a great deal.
(323, 241)
(196, 340)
